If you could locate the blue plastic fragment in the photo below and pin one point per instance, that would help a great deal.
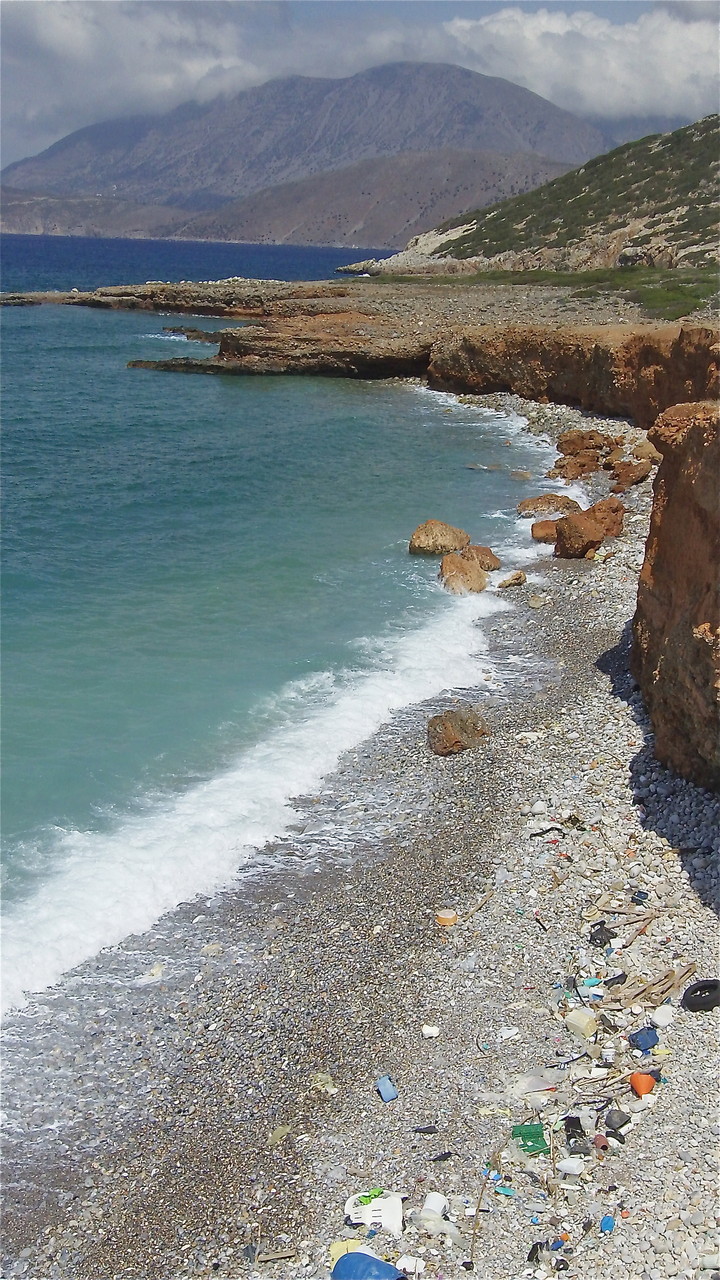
(386, 1089)
(607, 1224)
(360, 1266)
(557, 1244)
(645, 1039)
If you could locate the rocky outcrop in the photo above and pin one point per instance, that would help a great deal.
(435, 538)
(609, 513)
(516, 579)
(676, 629)
(626, 473)
(547, 504)
(455, 731)
(461, 575)
(576, 535)
(484, 556)
(544, 530)
(607, 369)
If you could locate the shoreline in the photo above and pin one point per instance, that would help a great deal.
(341, 978)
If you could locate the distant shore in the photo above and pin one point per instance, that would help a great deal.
(232, 1141)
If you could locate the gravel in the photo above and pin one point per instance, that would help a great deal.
(165, 1111)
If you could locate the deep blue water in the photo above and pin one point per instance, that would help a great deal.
(207, 597)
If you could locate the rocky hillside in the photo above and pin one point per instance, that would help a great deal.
(377, 202)
(649, 203)
(653, 201)
(201, 156)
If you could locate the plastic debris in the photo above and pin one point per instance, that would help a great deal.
(662, 1016)
(530, 1138)
(641, 1083)
(425, 1128)
(701, 996)
(645, 1039)
(379, 1210)
(386, 1088)
(339, 1248)
(443, 1155)
(363, 1265)
(615, 1119)
(322, 1082)
(446, 917)
(411, 1266)
(571, 1166)
(607, 1224)
(600, 935)
(430, 1032)
(582, 1023)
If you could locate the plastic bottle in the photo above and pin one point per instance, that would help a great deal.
(359, 1265)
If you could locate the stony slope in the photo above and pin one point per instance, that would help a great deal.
(31, 213)
(658, 193)
(201, 156)
(376, 202)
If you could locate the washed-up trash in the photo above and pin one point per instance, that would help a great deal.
(600, 935)
(322, 1082)
(436, 1202)
(701, 996)
(446, 917)
(581, 1023)
(444, 1155)
(640, 896)
(600, 1143)
(276, 1255)
(411, 1266)
(536, 1088)
(429, 1032)
(536, 1250)
(607, 1224)
(641, 1083)
(508, 1033)
(662, 1016)
(339, 1248)
(279, 1132)
(425, 1128)
(645, 1039)
(615, 981)
(530, 1138)
(380, 1212)
(571, 1166)
(616, 1119)
(434, 1224)
(386, 1088)
(363, 1265)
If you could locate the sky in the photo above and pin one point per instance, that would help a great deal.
(70, 63)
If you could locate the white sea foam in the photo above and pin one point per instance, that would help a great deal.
(108, 886)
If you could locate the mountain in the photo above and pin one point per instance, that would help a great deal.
(199, 157)
(653, 201)
(380, 202)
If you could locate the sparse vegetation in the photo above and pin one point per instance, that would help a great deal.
(663, 187)
(663, 295)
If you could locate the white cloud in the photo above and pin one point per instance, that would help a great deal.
(658, 64)
(68, 63)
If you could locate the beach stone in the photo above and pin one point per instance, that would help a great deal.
(574, 467)
(483, 556)
(456, 731)
(544, 530)
(435, 538)
(576, 535)
(626, 473)
(516, 579)
(547, 504)
(576, 441)
(646, 449)
(460, 576)
(609, 514)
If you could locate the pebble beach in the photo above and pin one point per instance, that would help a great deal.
(218, 1125)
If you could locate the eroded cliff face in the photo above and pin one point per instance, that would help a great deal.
(676, 630)
(636, 374)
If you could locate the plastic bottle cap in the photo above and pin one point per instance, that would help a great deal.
(446, 917)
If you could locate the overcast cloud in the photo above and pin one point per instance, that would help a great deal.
(68, 63)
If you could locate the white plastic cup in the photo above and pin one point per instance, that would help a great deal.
(435, 1201)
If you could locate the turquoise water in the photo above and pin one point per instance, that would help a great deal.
(208, 597)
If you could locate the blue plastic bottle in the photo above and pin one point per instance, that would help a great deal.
(361, 1266)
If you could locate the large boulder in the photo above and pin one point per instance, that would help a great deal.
(627, 473)
(544, 530)
(578, 441)
(456, 731)
(435, 538)
(676, 629)
(482, 556)
(576, 535)
(574, 466)
(547, 504)
(609, 513)
(460, 575)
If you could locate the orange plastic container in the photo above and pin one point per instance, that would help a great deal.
(641, 1083)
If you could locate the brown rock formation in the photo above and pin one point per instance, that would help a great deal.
(547, 504)
(636, 374)
(579, 441)
(455, 731)
(482, 556)
(461, 575)
(435, 538)
(544, 530)
(576, 535)
(626, 473)
(676, 629)
(645, 449)
(609, 513)
(516, 579)
(576, 465)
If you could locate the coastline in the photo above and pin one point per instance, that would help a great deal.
(341, 977)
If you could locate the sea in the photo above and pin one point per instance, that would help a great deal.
(208, 597)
